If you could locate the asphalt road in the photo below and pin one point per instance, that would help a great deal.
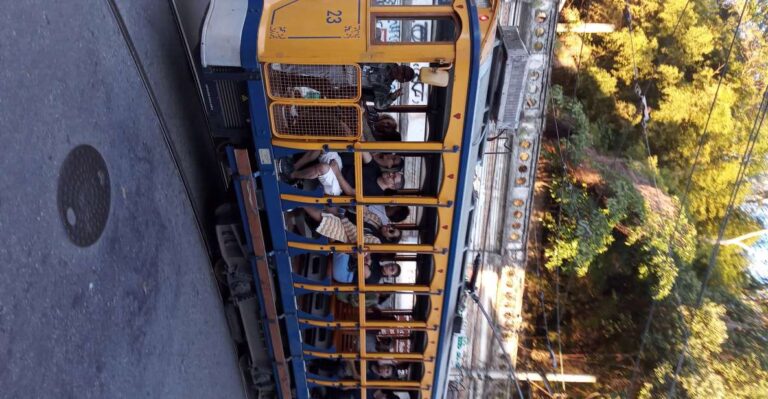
(135, 314)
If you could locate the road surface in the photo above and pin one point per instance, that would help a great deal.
(105, 288)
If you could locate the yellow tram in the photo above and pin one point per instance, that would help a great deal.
(348, 122)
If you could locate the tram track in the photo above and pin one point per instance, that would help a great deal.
(172, 151)
(202, 228)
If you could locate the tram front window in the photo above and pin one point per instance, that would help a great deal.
(414, 30)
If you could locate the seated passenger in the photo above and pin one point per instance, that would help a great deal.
(387, 214)
(347, 369)
(343, 229)
(381, 174)
(354, 393)
(380, 127)
(335, 179)
(376, 344)
(382, 394)
(379, 162)
(380, 370)
(378, 79)
(345, 268)
(340, 369)
(372, 299)
(382, 162)
(373, 219)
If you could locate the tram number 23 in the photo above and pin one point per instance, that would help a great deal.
(333, 17)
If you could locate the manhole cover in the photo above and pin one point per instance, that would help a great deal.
(83, 195)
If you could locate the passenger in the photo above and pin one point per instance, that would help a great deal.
(390, 214)
(385, 125)
(378, 161)
(372, 222)
(372, 299)
(324, 171)
(376, 344)
(342, 229)
(379, 370)
(373, 225)
(382, 394)
(377, 83)
(354, 393)
(345, 268)
(380, 127)
(389, 267)
(388, 162)
(340, 369)
(397, 213)
(335, 179)
(380, 175)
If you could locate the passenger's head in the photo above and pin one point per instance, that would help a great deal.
(386, 124)
(384, 343)
(391, 270)
(383, 297)
(384, 394)
(402, 73)
(391, 180)
(389, 161)
(390, 234)
(389, 137)
(384, 371)
(397, 213)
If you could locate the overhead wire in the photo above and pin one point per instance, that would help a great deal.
(542, 305)
(480, 259)
(701, 141)
(645, 117)
(740, 178)
(558, 307)
(674, 31)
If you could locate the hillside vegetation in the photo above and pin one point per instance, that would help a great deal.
(619, 234)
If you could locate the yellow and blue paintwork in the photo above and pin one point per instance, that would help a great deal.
(338, 32)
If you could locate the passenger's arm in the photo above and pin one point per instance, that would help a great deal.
(314, 213)
(383, 100)
(306, 158)
(353, 370)
(346, 130)
(346, 188)
(367, 157)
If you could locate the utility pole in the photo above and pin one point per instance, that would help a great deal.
(531, 376)
(738, 241)
(584, 27)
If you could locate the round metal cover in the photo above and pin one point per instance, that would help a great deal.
(83, 195)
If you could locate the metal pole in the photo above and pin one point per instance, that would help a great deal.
(531, 376)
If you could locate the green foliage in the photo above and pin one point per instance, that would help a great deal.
(615, 239)
(707, 330)
(584, 227)
(661, 248)
(604, 81)
(630, 50)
